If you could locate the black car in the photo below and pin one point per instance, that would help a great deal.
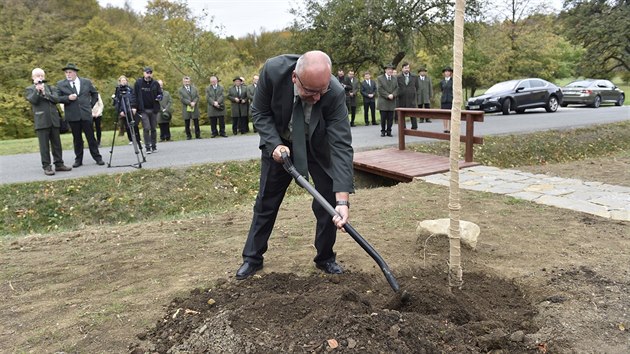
(518, 95)
(592, 93)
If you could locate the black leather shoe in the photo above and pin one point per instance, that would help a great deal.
(330, 267)
(247, 270)
(77, 164)
(382, 134)
(100, 162)
(389, 134)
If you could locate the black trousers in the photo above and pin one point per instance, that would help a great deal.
(425, 105)
(84, 127)
(197, 130)
(165, 131)
(372, 107)
(353, 112)
(220, 120)
(274, 181)
(387, 120)
(49, 140)
(97, 128)
(240, 124)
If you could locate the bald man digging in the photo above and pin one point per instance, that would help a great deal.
(300, 108)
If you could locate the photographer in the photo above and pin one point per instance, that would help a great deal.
(123, 90)
(148, 93)
(47, 121)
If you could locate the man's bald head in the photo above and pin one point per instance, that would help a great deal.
(313, 71)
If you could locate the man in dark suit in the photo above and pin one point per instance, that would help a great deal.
(189, 96)
(407, 91)
(446, 102)
(47, 121)
(78, 96)
(216, 107)
(237, 94)
(425, 91)
(352, 88)
(368, 91)
(300, 108)
(387, 89)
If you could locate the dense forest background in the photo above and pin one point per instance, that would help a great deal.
(504, 39)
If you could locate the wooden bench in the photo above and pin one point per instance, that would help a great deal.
(470, 117)
(403, 165)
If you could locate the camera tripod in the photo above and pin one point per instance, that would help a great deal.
(130, 123)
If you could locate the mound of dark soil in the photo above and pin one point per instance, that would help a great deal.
(353, 312)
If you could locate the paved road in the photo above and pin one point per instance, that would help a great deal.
(27, 167)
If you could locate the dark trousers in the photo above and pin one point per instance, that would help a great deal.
(369, 106)
(97, 128)
(135, 126)
(221, 123)
(240, 124)
(49, 139)
(274, 181)
(165, 131)
(425, 105)
(353, 112)
(387, 120)
(149, 128)
(197, 130)
(84, 127)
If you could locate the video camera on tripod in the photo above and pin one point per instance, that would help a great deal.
(123, 104)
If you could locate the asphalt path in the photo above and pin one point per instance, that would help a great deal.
(27, 167)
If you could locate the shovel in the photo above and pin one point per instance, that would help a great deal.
(288, 166)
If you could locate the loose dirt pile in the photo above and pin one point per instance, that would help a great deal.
(353, 312)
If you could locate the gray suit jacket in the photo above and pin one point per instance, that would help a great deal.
(330, 139)
(239, 109)
(186, 98)
(215, 95)
(44, 107)
(81, 108)
(425, 90)
(384, 88)
(354, 89)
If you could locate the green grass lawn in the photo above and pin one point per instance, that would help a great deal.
(163, 194)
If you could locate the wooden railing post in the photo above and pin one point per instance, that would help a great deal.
(401, 130)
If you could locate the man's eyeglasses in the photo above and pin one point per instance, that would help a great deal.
(309, 92)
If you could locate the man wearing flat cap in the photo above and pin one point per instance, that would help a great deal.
(237, 94)
(147, 94)
(79, 96)
(387, 91)
(446, 102)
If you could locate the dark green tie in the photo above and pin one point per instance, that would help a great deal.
(299, 139)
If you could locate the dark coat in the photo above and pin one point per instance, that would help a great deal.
(156, 94)
(425, 90)
(368, 89)
(81, 108)
(385, 88)
(118, 99)
(215, 95)
(330, 139)
(44, 107)
(240, 109)
(446, 86)
(407, 92)
(352, 90)
(166, 108)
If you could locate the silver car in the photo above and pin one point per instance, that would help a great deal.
(592, 92)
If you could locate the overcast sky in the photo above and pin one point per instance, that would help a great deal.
(238, 17)
(241, 17)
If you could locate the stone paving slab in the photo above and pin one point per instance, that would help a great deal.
(596, 198)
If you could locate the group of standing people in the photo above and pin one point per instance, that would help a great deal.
(392, 90)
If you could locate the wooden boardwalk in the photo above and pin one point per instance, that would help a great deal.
(403, 165)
